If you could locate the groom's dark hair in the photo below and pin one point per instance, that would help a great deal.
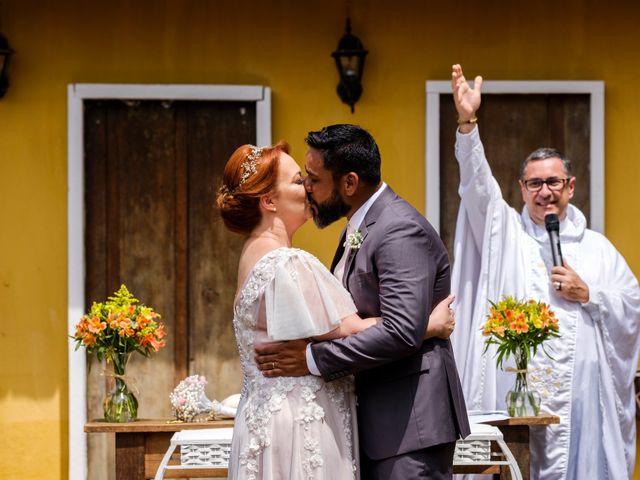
(347, 148)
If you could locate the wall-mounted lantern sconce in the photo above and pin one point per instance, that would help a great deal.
(5, 55)
(349, 57)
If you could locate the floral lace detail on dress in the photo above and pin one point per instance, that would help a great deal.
(339, 392)
(264, 397)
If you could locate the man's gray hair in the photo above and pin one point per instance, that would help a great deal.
(543, 154)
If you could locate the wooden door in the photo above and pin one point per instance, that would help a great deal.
(511, 127)
(152, 169)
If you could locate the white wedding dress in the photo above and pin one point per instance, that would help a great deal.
(291, 427)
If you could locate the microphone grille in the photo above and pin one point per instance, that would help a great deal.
(551, 222)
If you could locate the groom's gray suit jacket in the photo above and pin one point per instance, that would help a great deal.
(408, 390)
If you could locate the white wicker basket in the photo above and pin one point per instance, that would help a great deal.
(472, 451)
(206, 454)
(205, 448)
(475, 449)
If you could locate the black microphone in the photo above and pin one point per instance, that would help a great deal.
(552, 224)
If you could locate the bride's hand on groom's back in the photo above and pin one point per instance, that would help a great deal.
(442, 320)
(282, 359)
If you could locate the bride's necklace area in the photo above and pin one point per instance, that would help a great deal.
(282, 240)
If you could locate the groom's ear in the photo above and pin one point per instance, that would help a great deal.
(350, 182)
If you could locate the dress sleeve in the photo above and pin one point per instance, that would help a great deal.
(304, 299)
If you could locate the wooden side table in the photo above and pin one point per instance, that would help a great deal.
(516, 435)
(140, 446)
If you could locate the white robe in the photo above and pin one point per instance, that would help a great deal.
(589, 382)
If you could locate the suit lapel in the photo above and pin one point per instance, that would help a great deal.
(369, 219)
(352, 254)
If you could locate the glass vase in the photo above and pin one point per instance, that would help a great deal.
(522, 401)
(120, 404)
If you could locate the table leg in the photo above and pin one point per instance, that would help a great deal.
(517, 439)
(130, 456)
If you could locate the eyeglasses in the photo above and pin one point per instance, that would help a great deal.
(555, 184)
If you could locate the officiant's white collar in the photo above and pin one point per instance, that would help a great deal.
(572, 227)
(357, 218)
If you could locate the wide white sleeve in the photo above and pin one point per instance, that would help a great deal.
(478, 188)
(304, 299)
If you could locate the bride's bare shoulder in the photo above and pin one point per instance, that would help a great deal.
(253, 251)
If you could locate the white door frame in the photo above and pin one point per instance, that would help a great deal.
(595, 90)
(76, 95)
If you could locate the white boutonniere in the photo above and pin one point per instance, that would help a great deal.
(353, 240)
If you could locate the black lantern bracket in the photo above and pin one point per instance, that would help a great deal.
(349, 57)
(5, 56)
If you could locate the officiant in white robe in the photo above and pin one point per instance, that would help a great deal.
(596, 298)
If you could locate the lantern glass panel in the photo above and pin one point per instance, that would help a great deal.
(350, 65)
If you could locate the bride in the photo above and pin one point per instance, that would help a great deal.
(288, 427)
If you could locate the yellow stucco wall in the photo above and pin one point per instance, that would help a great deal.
(286, 45)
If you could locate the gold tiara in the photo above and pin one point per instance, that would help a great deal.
(250, 164)
(249, 167)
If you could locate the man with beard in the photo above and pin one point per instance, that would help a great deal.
(410, 405)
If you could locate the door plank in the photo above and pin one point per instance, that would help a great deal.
(181, 328)
(214, 251)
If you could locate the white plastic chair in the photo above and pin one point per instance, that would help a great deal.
(475, 449)
(199, 449)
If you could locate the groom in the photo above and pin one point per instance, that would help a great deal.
(410, 405)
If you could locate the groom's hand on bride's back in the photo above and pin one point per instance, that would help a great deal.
(282, 359)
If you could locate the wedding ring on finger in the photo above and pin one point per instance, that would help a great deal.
(557, 285)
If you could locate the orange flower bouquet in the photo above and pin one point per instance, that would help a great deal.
(114, 330)
(518, 328)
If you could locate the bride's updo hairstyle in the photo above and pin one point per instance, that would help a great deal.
(250, 173)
